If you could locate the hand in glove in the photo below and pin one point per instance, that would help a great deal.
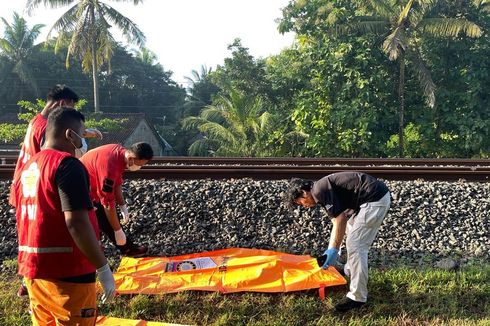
(329, 258)
(125, 214)
(92, 133)
(106, 279)
(120, 237)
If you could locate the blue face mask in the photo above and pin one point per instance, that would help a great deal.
(79, 151)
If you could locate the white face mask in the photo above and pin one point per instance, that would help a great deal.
(134, 167)
(79, 151)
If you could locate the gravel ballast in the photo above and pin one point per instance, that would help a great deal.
(428, 221)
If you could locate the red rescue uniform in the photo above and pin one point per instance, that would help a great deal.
(32, 145)
(46, 248)
(105, 166)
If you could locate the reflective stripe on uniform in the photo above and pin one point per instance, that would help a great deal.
(46, 250)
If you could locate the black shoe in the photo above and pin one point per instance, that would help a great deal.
(135, 251)
(348, 304)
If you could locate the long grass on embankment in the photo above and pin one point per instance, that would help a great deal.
(398, 296)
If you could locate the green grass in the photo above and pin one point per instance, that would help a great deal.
(398, 296)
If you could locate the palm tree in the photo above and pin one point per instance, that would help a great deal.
(236, 125)
(87, 24)
(145, 55)
(17, 45)
(200, 91)
(403, 24)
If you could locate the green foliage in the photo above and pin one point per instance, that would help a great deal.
(105, 124)
(413, 142)
(16, 46)
(345, 108)
(348, 111)
(235, 125)
(242, 72)
(10, 132)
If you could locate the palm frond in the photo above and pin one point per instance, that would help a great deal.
(200, 147)
(381, 7)
(33, 4)
(483, 5)
(212, 113)
(66, 23)
(425, 78)
(128, 28)
(449, 27)
(80, 39)
(361, 27)
(402, 17)
(218, 132)
(135, 2)
(395, 43)
(191, 123)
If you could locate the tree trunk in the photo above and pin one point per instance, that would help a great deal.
(95, 77)
(401, 111)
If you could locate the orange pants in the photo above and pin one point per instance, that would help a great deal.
(61, 303)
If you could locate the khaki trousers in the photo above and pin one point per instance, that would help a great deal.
(361, 232)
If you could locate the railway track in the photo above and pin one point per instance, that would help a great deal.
(11, 159)
(180, 168)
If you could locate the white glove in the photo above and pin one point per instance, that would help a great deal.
(92, 133)
(120, 237)
(124, 213)
(106, 279)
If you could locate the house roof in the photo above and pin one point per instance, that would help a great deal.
(128, 124)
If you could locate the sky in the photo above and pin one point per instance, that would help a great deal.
(186, 34)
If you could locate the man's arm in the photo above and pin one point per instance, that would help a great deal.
(339, 224)
(119, 196)
(83, 234)
(111, 213)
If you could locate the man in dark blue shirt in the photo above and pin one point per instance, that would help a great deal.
(356, 203)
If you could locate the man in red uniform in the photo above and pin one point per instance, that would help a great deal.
(105, 166)
(59, 95)
(59, 251)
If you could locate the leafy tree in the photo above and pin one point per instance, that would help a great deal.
(460, 120)
(136, 86)
(10, 132)
(236, 125)
(243, 72)
(200, 91)
(16, 46)
(342, 87)
(87, 24)
(402, 24)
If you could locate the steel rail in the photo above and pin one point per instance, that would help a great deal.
(318, 161)
(161, 160)
(183, 172)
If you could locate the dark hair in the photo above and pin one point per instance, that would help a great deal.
(62, 92)
(63, 118)
(142, 151)
(295, 190)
